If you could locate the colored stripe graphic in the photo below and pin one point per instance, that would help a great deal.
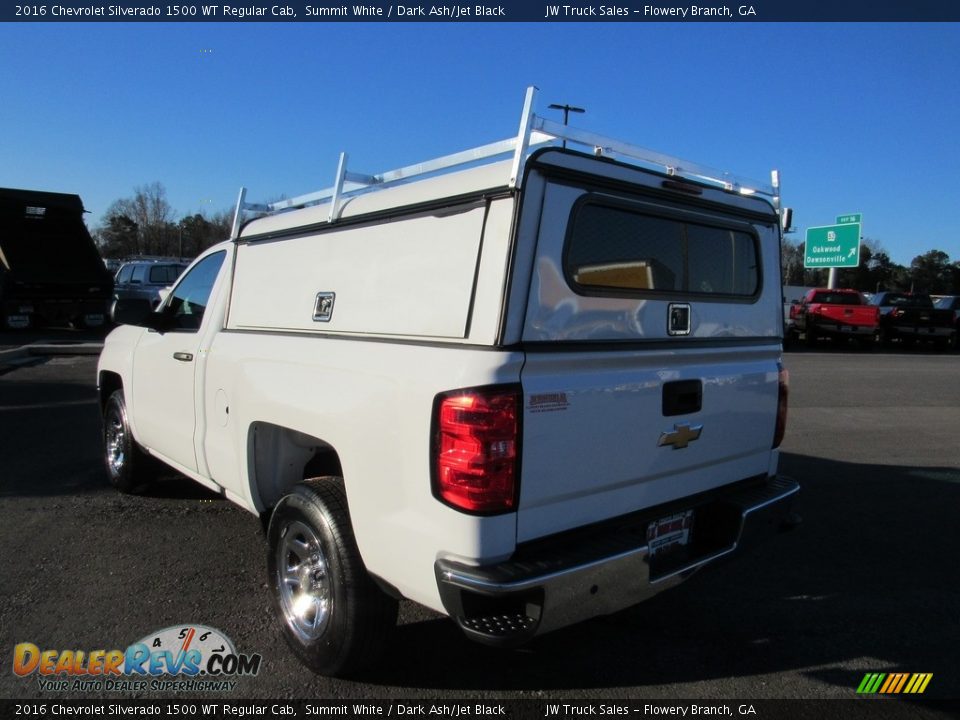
(894, 683)
(870, 682)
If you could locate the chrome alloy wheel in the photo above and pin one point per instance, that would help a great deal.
(116, 440)
(303, 581)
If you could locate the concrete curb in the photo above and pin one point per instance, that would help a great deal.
(23, 354)
(79, 348)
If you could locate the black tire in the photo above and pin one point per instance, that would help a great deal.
(810, 338)
(129, 468)
(334, 616)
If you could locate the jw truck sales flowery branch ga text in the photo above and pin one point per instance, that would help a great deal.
(649, 11)
(564, 710)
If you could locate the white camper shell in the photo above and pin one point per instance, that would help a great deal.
(522, 385)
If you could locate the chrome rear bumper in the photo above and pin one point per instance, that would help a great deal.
(600, 570)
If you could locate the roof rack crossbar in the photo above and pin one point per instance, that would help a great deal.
(673, 166)
(534, 130)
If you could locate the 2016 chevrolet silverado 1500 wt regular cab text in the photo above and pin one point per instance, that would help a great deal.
(523, 393)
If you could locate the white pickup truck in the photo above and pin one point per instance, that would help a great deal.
(523, 385)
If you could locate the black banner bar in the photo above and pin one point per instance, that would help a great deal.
(864, 708)
(544, 11)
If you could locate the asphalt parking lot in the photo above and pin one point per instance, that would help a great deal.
(867, 583)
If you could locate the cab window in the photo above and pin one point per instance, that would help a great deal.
(188, 300)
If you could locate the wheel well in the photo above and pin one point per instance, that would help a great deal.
(109, 383)
(279, 458)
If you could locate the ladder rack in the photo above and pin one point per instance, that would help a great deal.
(534, 131)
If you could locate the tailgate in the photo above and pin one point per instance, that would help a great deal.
(856, 315)
(607, 433)
(652, 328)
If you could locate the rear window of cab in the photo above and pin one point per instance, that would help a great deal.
(620, 249)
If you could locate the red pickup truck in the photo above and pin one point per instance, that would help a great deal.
(834, 313)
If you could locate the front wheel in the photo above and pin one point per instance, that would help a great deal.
(334, 616)
(129, 468)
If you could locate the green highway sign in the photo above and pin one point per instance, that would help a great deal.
(849, 219)
(832, 246)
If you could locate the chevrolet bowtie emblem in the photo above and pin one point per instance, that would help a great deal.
(681, 436)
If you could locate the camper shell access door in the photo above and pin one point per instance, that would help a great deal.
(652, 332)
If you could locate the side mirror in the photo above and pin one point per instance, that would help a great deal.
(131, 311)
(786, 219)
(163, 292)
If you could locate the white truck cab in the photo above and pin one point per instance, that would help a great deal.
(522, 385)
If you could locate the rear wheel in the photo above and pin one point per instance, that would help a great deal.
(129, 468)
(335, 618)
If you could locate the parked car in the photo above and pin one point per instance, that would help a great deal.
(952, 303)
(834, 313)
(146, 278)
(911, 316)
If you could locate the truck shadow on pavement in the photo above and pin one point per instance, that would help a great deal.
(52, 442)
(861, 586)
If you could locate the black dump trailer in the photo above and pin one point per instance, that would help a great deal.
(50, 269)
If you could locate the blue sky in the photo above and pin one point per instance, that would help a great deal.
(858, 118)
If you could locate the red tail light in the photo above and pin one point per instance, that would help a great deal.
(782, 394)
(476, 449)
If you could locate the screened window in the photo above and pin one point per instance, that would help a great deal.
(613, 248)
